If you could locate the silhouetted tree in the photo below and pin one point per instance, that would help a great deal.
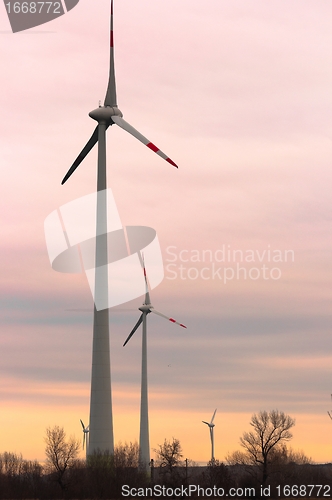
(169, 454)
(263, 445)
(61, 455)
(217, 474)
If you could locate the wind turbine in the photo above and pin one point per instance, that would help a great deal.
(101, 420)
(85, 434)
(211, 426)
(146, 308)
(329, 414)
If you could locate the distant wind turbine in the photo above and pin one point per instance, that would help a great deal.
(329, 414)
(211, 427)
(101, 416)
(146, 308)
(85, 435)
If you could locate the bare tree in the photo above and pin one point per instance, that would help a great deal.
(263, 444)
(61, 454)
(11, 464)
(126, 455)
(169, 454)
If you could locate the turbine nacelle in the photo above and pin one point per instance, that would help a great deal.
(145, 308)
(208, 423)
(105, 113)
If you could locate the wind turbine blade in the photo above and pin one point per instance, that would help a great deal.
(82, 424)
(83, 440)
(134, 329)
(166, 317)
(329, 414)
(110, 99)
(85, 151)
(125, 125)
(147, 295)
(213, 416)
(207, 423)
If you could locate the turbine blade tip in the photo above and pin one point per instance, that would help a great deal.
(172, 163)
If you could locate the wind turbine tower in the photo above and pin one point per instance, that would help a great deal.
(144, 442)
(101, 421)
(211, 427)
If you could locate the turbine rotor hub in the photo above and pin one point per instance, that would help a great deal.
(105, 113)
(145, 308)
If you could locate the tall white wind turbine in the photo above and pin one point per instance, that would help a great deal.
(101, 420)
(211, 427)
(144, 442)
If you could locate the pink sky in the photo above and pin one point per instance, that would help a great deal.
(238, 94)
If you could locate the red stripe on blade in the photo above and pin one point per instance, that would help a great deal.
(111, 38)
(184, 326)
(172, 320)
(172, 162)
(153, 147)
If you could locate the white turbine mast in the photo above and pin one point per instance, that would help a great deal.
(146, 308)
(101, 418)
(211, 426)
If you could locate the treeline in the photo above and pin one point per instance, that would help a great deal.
(103, 478)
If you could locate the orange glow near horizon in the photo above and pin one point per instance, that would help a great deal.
(23, 425)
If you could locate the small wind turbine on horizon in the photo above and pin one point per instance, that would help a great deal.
(101, 416)
(85, 435)
(211, 426)
(146, 308)
(329, 414)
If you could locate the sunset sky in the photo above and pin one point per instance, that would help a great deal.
(239, 94)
